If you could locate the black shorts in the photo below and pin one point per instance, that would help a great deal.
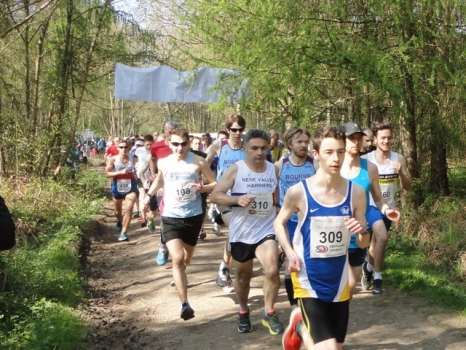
(153, 203)
(119, 196)
(356, 256)
(186, 229)
(243, 252)
(325, 320)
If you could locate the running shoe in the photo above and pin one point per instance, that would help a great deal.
(367, 277)
(216, 229)
(291, 339)
(162, 255)
(118, 226)
(202, 235)
(244, 323)
(187, 312)
(143, 222)
(123, 237)
(377, 290)
(150, 226)
(222, 277)
(271, 321)
(136, 214)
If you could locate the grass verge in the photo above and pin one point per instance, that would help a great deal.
(41, 281)
(428, 259)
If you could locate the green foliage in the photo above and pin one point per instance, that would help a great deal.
(428, 259)
(44, 325)
(42, 279)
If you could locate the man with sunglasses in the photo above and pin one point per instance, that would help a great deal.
(182, 218)
(159, 150)
(229, 151)
(123, 187)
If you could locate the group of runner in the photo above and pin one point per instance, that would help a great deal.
(321, 205)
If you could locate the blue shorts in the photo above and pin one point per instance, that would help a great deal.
(121, 195)
(373, 215)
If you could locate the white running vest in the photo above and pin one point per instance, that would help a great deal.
(180, 200)
(251, 224)
(388, 178)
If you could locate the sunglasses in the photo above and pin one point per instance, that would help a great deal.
(182, 144)
(236, 130)
(121, 147)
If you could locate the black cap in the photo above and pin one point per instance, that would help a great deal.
(351, 128)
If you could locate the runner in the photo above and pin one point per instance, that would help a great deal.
(112, 149)
(178, 175)
(124, 188)
(252, 183)
(137, 144)
(275, 147)
(141, 161)
(292, 168)
(330, 210)
(365, 174)
(392, 169)
(368, 142)
(229, 151)
(159, 150)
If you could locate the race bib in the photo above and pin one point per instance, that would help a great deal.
(261, 206)
(185, 194)
(123, 185)
(329, 237)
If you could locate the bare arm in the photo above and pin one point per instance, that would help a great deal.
(209, 176)
(212, 150)
(293, 198)
(110, 169)
(402, 170)
(392, 214)
(158, 182)
(219, 194)
(153, 166)
(278, 168)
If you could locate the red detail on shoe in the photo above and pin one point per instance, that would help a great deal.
(291, 339)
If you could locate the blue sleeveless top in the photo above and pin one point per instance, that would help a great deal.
(363, 180)
(227, 157)
(291, 174)
(321, 242)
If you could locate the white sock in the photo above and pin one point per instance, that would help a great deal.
(369, 267)
(223, 265)
(377, 275)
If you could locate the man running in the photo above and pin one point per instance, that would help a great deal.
(178, 175)
(392, 169)
(141, 161)
(367, 142)
(229, 151)
(293, 168)
(365, 174)
(123, 186)
(330, 210)
(252, 183)
(159, 150)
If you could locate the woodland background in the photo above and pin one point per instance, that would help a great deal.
(309, 63)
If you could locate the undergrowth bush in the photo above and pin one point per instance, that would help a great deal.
(40, 278)
(427, 255)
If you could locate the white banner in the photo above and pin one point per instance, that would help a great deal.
(165, 84)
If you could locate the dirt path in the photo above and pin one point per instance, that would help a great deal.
(133, 306)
